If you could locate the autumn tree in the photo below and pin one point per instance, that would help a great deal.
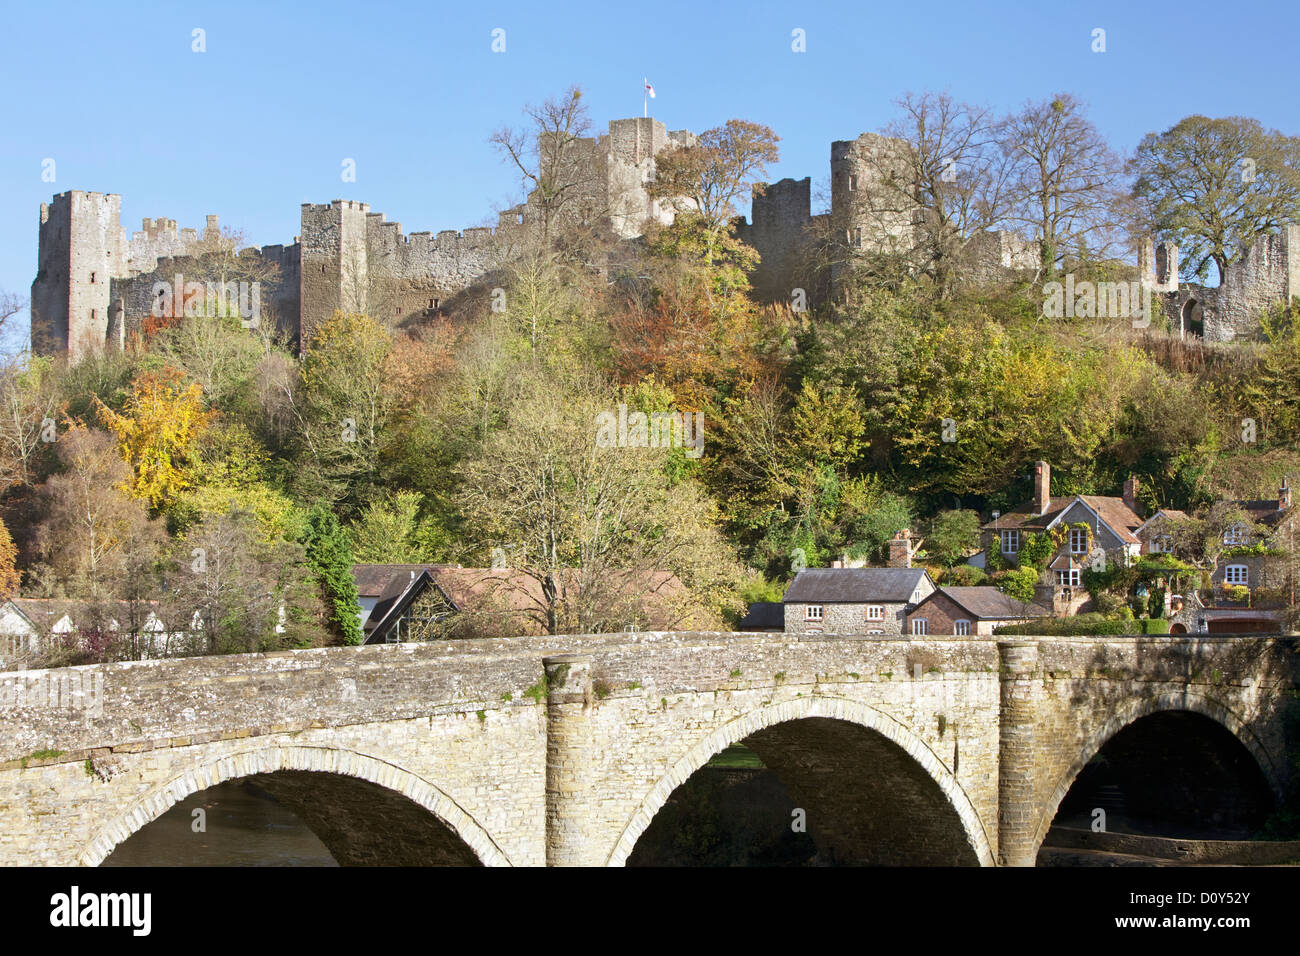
(237, 592)
(157, 431)
(952, 535)
(92, 530)
(29, 404)
(340, 404)
(715, 175)
(1215, 186)
(592, 526)
(387, 532)
(9, 576)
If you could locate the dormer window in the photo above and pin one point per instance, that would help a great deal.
(1236, 535)
(1011, 542)
(1161, 544)
(1078, 540)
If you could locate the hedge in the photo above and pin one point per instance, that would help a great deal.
(1085, 626)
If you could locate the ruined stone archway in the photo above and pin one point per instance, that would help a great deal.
(447, 830)
(1165, 703)
(788, 737)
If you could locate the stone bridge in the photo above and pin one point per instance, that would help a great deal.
(559, 751)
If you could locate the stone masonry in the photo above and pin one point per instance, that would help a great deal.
(560, 750)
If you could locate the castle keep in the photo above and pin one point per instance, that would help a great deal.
(96, 286)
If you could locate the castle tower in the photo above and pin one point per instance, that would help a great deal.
(81, 249)
(866, 214)
(335, 270)
(1158, 265)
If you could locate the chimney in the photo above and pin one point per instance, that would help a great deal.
(900, 549)
(1131, 493)
(1284, 495)
(1042, 487)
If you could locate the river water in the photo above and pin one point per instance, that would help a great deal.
(242, 826)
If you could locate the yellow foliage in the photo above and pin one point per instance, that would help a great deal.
(157, 432)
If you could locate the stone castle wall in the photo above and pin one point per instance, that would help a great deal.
(352, 259)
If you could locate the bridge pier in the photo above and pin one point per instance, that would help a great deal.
(569, 785)
(1021, 687)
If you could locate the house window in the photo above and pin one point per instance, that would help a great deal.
(961, 628)
(1235, 535)
(813, 612)
(1161, 544)
(920, 626)
(1236, 574)
(875, 612)
(1078, 540)
(1010, 542)
(1068, 578)
(853, 182)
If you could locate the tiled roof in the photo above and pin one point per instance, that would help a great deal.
(854, 585)
(988, 603)
(373, 579)
(1117, 516)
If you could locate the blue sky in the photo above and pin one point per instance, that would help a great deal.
(261, 121)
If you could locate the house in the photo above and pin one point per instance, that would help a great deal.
(1091, 530)
(421, 602)
(1237, 566)
(853, 600)
(1154, 535)
(29, 626)
(968, 610)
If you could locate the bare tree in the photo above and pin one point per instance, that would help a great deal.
(935, 181)
(93, 533)
(554, 157)
(1065, 179)
(10, 305)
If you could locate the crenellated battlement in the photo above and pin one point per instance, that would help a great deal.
(349, 257)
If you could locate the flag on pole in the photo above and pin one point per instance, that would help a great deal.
(650, 89)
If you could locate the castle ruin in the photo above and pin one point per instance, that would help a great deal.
(95, 286)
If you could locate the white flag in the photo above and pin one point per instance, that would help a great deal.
(650, 90)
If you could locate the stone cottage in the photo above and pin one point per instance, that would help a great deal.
(853, 600)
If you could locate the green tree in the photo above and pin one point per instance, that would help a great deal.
(329, 555)
(952, 535)
(1214, 186)
(388, 531)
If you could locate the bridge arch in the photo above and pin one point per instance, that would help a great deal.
(1174, 702)
(271, 759)
(834, 708)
